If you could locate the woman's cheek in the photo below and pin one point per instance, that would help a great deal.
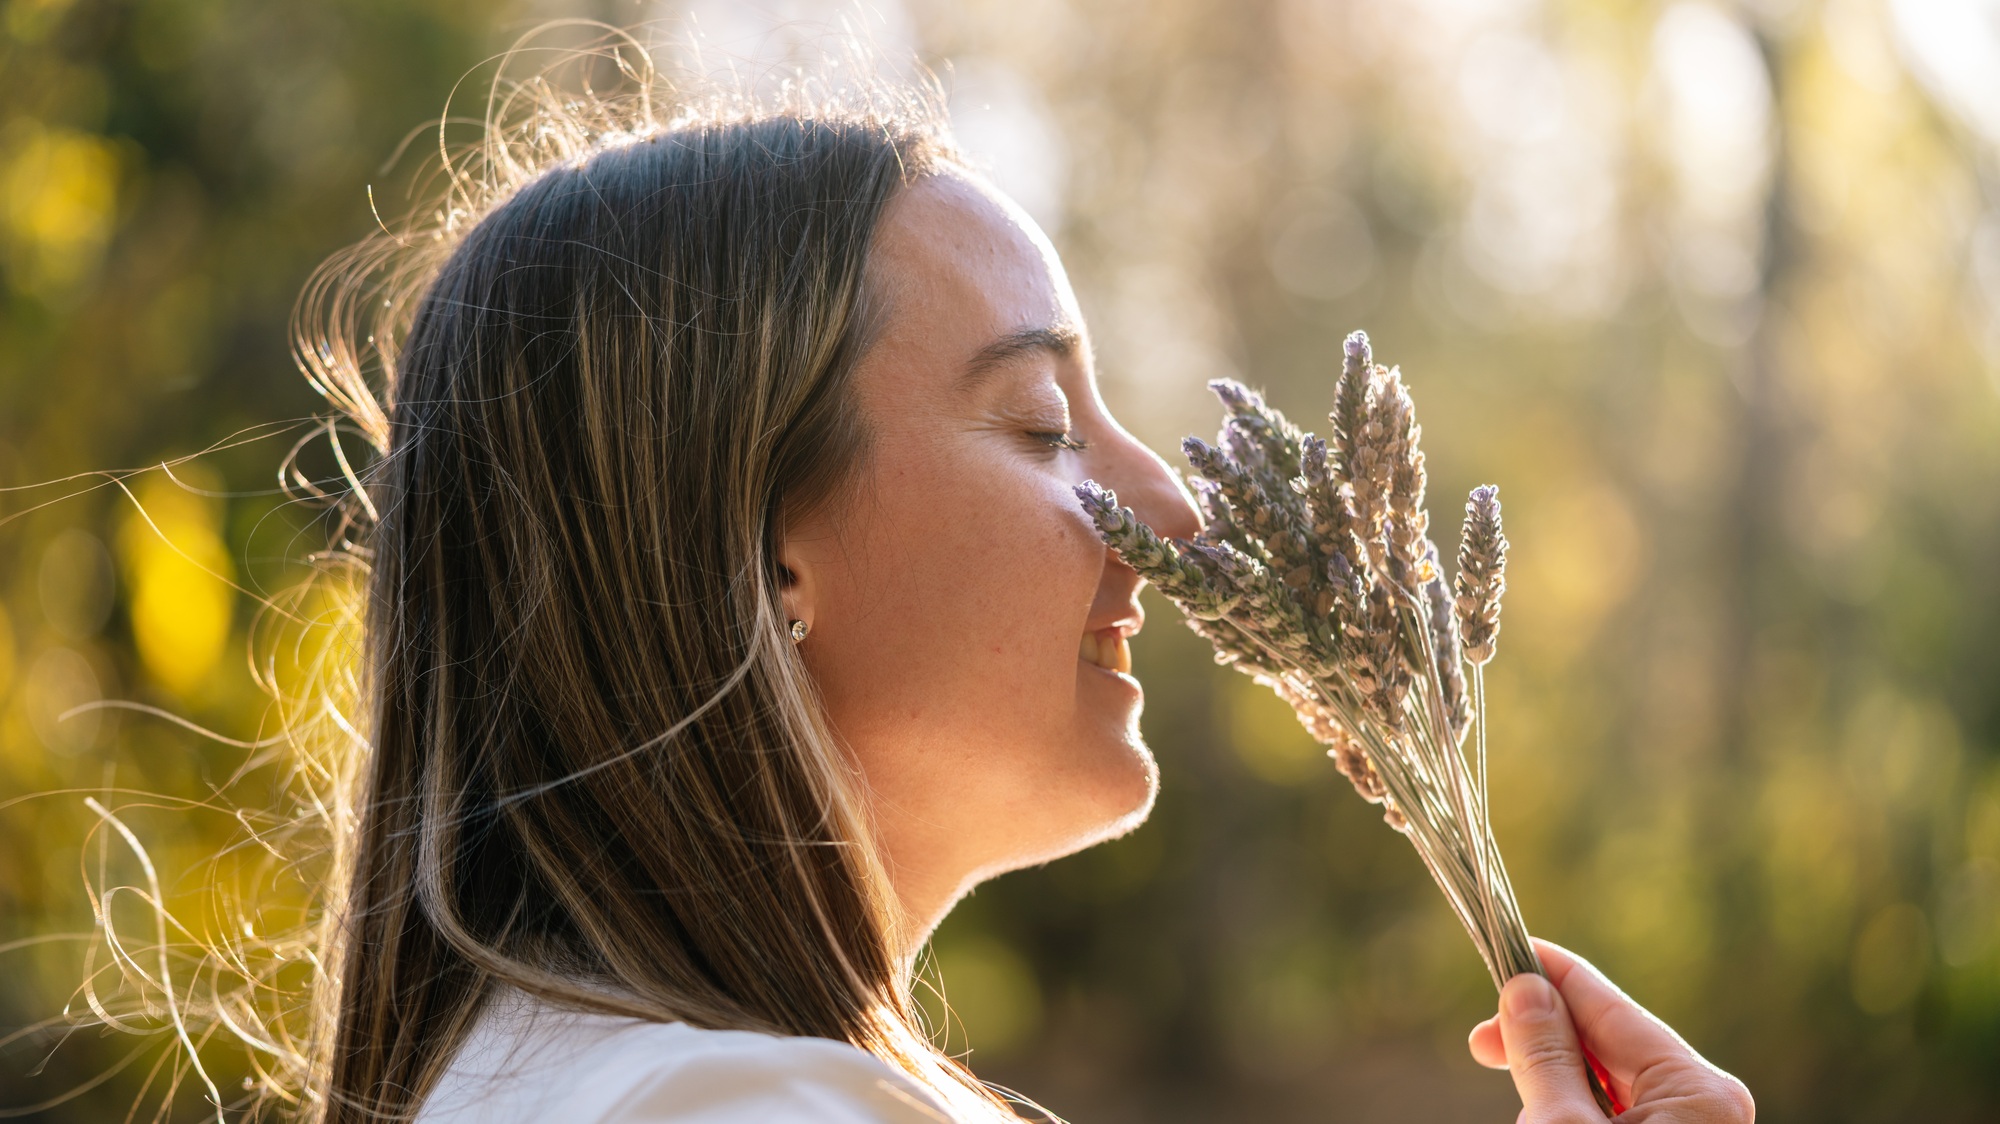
(1063, 571)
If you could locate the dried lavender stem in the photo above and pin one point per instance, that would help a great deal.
(1463, 885)
(1469, 811)
(1458, 883)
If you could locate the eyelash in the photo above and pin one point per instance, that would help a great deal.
(1055, 440)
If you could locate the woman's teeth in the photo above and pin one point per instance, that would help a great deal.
(1107, 648)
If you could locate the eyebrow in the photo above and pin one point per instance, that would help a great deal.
(1059, 340)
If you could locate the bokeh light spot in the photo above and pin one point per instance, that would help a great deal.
(178, 570)
(995, 1003)
(1891, 959)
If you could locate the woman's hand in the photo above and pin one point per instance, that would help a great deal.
(1658, 1077)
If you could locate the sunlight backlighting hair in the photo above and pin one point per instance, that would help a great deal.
(543, 724)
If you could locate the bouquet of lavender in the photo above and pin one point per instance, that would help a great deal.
(1315, 576)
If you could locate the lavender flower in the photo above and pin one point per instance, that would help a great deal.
(1273, 527)
(1333, 532)
(1482, 574)
(1351, 401)
(1256, 435)
(1395, 426)
(1315, 575)
(1159, 562)
(1216, 525)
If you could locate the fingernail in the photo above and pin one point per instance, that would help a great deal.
(1528, 995)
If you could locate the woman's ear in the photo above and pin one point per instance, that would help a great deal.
(798, 583)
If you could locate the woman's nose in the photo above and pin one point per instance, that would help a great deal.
(1153, 491)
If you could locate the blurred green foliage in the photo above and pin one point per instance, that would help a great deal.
(1711, 292)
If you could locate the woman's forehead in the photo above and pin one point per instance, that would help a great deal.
(952, 251)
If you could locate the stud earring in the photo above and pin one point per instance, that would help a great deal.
(799, 630)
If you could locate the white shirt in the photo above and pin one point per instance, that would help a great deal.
(529, 1061)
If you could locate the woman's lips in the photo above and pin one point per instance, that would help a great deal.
(1107, 648)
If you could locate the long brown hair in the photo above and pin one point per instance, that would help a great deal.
(595, 770)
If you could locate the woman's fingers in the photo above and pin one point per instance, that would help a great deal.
(1626, 1037)
(1536, 1037)
(1485, 1044)
(1543, 1054)
(1649, 1063)
(1646, 1059)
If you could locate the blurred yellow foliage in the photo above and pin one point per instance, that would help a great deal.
(58, 197)
(76, 584)
(6, 652)
(31, 20)
(1891, 958)
(180, 575)
(1581, 554)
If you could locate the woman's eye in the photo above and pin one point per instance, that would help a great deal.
(1057, 439)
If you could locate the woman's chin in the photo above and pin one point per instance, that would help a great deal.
(1135, 805)
(1111, 798)
(1101, 805)
(1128, 776)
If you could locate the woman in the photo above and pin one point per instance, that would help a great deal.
(730, 618)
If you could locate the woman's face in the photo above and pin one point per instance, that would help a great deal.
(968, 628)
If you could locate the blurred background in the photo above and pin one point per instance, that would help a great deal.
(1711, 290)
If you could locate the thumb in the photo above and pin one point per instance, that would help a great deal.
(1543, 1054)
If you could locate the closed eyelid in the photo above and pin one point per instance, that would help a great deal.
(1026, 392)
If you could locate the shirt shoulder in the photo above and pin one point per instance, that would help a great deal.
(736, 1077)
(527, 1061)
